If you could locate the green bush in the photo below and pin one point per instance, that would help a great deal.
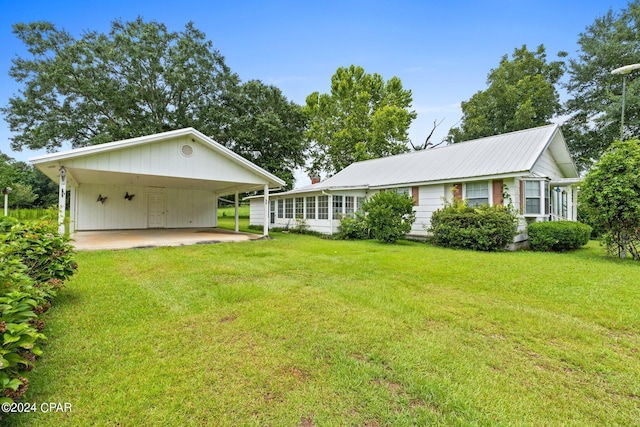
(353, 228)
(34, 261)
(388, 216)
(481, 228)
(558, 236)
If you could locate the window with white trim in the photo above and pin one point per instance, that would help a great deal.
(477, 193)
(323, 207)
(337, 207)
(288, 208)
(359, 203)
(348, 206)
(280, 208)
(299, 207)
(311, 207)
(536, 197)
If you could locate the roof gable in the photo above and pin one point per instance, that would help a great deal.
(180, 154)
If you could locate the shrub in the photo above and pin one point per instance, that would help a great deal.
(482, 228)
(353, 228)
(34, 261)
(388, 216)
(558, 236)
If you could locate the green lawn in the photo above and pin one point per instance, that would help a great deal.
(301, 331)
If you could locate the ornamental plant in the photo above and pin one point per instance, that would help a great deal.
(34, 262)
(558, 236)
(388, 216)
(482, 228)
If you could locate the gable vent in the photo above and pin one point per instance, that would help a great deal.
(186, 150)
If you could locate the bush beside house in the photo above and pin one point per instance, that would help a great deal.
(481, 228)
(558, 236)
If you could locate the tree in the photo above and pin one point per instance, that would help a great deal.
(610, 197)
(21, 176)
(595, 103)
(521, 94)
(267, 129)
(137, 80)
(362, 118)
(141, 79)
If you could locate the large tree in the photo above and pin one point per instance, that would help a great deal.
(140, 79)
(363, 117)
(595, 103)
(521, 94)
(267, 129)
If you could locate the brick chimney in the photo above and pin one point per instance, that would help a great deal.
(315, 179)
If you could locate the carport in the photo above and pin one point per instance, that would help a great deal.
(170, 180)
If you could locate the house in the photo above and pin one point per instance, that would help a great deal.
(167, 180)
(530, 169)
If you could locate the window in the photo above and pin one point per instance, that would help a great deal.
(404, 190)
(299, 207)
(348, 206)
(280, 208)
(288, 208)
(532, 197)
(477, 193)
(337, 207)
(536, 197)
(359, 203)
(323, 207)
(311, 207)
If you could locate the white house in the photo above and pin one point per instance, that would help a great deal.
(532, 168)
(167, 180)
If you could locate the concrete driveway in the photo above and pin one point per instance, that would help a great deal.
(126, 239)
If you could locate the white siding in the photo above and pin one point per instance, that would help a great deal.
(256, 212)
(546, 166)
(164, 158)
(184, 208)
(430, 199)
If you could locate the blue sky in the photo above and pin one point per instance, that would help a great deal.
(442, 51)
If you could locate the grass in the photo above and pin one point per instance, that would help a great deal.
(301, 331)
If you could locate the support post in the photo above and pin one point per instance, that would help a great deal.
(237, 216)
(266, 210)
(62, 200)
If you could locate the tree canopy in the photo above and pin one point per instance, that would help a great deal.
(610, 197)
(521, 94)
(595, 103)
(363, 117)
(140, 79)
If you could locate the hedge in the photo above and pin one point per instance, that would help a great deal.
(558, 236)
(34, 263)
(482, 228)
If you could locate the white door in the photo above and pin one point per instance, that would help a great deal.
(155, 210)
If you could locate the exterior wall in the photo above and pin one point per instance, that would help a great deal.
(546, 166)
(430, 199)
(182, 208)
(165, 158)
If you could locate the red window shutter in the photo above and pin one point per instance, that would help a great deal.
(415, 193)
(497, 192)
(457, 191)
(521, 197)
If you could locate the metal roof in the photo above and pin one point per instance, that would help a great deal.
(513, 153)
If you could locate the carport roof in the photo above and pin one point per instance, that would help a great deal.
(81, 170)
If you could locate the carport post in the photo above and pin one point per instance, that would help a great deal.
(62, 199)
(266, 210)
(237, 216)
